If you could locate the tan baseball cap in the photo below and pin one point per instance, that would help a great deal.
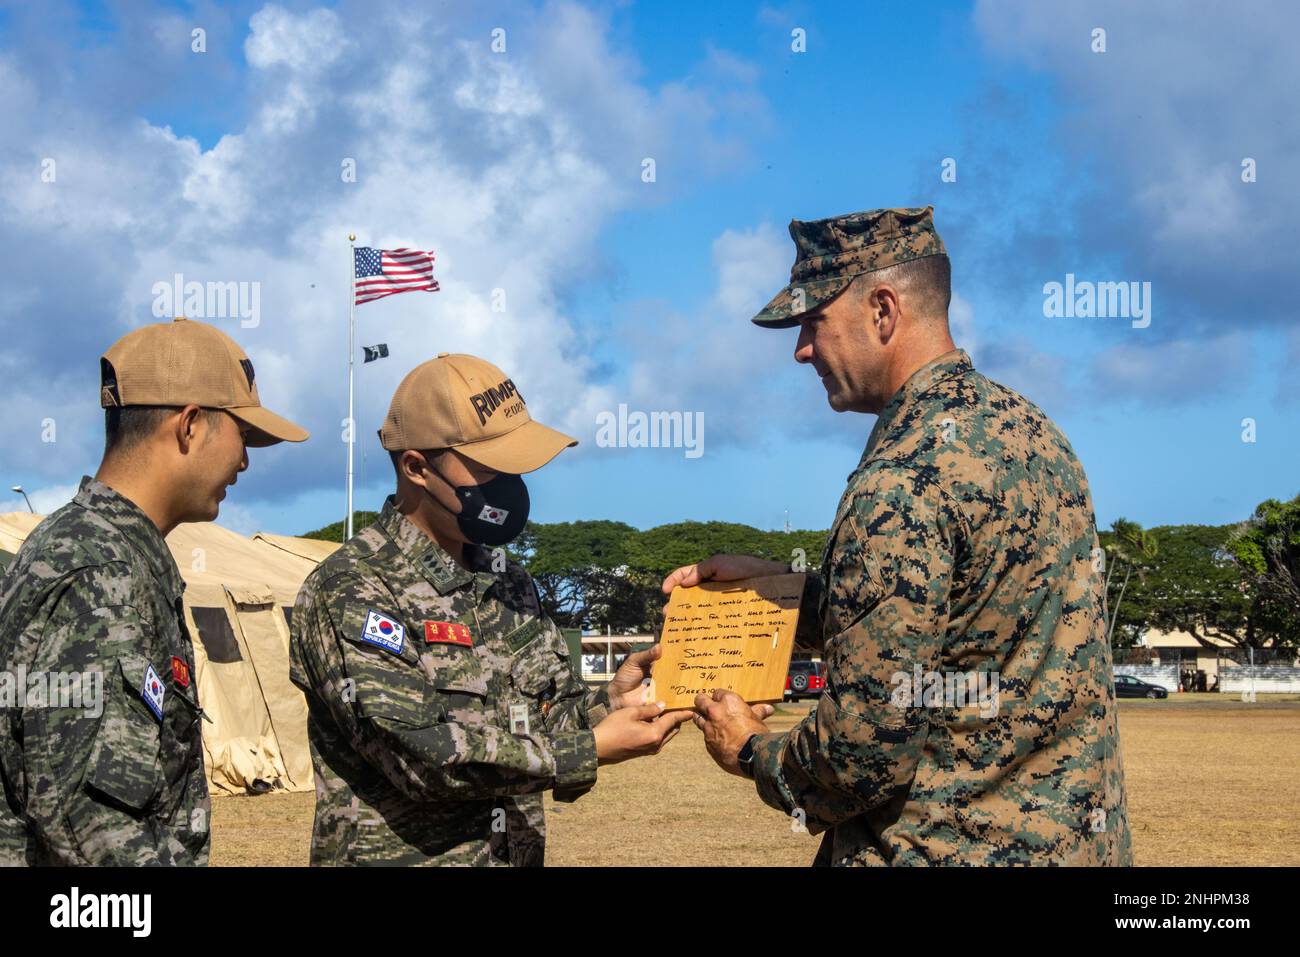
(466, 403)
(184, 362)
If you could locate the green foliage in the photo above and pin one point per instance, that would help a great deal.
(581, 570)
(1129, 549)
(1237, 583)
(662, 549)
(1266, 549)
(607, 574)
(334, 531)
(1191, 584)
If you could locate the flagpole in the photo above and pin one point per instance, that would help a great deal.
(352, 305)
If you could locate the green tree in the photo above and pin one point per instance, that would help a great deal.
(666, 547)
(581, 570)
(333, 532)
(607, 574)
(1267, 550)
(1133, 548)
(1191, 585)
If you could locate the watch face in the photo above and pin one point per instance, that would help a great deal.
(746, 756)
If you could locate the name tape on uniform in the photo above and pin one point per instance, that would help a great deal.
(448, 632)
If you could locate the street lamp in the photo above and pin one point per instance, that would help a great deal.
(19, 490)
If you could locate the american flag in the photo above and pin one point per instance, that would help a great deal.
(383, 272)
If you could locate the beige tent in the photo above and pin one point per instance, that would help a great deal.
(312, 549)
(239, 595)
(14, 529)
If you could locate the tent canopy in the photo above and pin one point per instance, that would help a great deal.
(15, 527)
(314, 550)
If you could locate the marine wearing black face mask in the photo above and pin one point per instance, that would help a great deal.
(491, 513)
(463, 704)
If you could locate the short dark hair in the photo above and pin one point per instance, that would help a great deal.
(125, 427)
(928, 279)
(395, 456)
(934, 274)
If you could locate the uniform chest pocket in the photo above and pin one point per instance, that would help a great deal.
(126, 761)
(855, 581)
(385, 677)
(984, 735)
(535, 659)
(458, 683)
(540, 674)
(179, 730)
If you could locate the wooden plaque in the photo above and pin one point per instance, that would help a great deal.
(734, 635)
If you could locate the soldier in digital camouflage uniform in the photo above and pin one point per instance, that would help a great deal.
(113, 773)
(965, 542)
(441, 698)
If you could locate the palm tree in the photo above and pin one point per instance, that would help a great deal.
(1136, 548)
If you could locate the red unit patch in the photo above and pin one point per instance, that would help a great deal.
(448, 633)
(180, 672)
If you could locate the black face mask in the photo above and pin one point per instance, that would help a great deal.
(492, 513)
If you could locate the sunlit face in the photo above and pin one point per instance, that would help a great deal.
(838, 340)
(455, 470)
(217, 457)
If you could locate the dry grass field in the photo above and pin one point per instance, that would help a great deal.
(1211, 781)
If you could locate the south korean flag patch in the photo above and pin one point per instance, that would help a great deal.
(490, 513)
(153, 691)
(383, 631)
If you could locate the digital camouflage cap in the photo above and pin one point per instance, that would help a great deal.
(829, 253)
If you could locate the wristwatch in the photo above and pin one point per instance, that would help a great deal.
(746, 758)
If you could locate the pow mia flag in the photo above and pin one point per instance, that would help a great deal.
(375, 352)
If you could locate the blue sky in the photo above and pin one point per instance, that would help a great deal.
(522, 170)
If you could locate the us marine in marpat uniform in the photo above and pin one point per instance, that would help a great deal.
(969, 715)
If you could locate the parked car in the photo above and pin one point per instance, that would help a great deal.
(1126, 686)
(805, 679)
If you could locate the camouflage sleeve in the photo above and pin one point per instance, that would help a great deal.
(887, 579)
(574, 704)
(573, 707)
(97, 755)
(432, 743)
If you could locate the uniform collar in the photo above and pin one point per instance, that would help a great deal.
(136, 527)
(434, 561)
(946, 366)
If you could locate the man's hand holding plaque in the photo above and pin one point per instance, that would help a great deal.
(724, 643)
(637, 725)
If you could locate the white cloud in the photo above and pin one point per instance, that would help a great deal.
(509, 166)
(305, 43)
(710, 358)
(961, 322)
(44, 500)
(1162, 372)
(752, 267)
(1167, 114)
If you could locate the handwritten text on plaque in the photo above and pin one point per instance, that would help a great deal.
(735, 635)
